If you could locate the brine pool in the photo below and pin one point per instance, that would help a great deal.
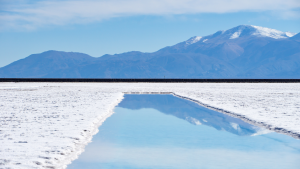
(166, 132)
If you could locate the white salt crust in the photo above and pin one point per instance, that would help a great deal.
(47, 125)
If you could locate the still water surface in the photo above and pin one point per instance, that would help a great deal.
(166, 132)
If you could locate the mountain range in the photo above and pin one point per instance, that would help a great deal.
(244, 51)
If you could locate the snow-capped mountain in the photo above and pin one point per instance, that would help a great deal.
(231, 40)
(244, 51)
(242, 31)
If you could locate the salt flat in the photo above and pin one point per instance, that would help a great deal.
(47, 125)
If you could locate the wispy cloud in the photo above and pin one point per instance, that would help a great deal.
(27, 14)
(179, 157)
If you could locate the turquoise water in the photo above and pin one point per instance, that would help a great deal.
(166, 132)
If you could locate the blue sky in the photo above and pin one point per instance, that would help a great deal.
(98, 27)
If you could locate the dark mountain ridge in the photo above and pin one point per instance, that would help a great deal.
(241, 52)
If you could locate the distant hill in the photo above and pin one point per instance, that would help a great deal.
(244, 51)
(40, 65)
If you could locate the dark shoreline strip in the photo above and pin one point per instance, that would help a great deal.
(106, 80)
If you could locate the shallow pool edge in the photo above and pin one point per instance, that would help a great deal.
(100, 119)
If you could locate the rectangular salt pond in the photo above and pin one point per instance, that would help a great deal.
(166, 132)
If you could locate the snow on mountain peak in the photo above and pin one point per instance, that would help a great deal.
(236, 34)
(193, 40)
(290, 34)
(272, 33)
(248, 30)
(241, 31)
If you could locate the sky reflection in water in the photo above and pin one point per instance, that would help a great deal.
(163, 131)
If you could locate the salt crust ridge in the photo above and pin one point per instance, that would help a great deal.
(80, 147)
(47, 125)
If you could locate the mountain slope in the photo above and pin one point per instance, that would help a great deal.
(244, 51)
(278, 59)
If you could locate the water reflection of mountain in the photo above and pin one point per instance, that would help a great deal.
(189, 111)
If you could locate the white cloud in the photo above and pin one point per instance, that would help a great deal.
(179, 157)
(26, 14)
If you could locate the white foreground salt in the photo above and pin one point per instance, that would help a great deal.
(47, 125)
